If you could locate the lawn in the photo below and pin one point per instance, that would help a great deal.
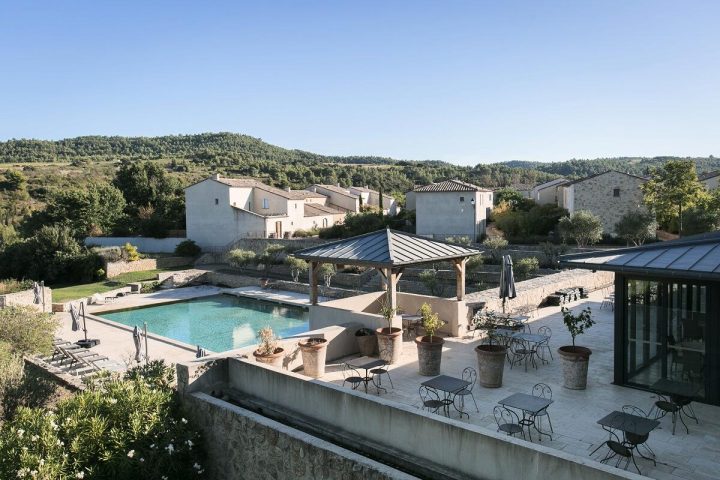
(65, 293)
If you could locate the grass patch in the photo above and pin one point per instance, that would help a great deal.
(64, 293)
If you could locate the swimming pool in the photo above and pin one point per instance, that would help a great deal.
(217, 322)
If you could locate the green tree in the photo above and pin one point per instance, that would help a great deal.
(673, 189)
(13, 181)
(582, 226)
(636, 227)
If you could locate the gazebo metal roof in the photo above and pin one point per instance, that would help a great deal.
(385, 249)
(697, 256)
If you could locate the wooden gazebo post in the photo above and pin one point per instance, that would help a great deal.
(460, 277)
(314, 271)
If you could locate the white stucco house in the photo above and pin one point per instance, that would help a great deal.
(352, 199)
(451, 208)
(609, 195)
(547, 193)
(221, 210)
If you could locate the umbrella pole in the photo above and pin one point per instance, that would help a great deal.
(82, 309)
(147, 357)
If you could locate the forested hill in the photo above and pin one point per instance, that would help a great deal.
(635, 165)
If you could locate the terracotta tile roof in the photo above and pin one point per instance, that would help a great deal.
(580, 180)
(451, 186)
(336, 189)
(252, 183)
(316, 210)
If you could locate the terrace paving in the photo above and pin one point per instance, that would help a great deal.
(574, 413)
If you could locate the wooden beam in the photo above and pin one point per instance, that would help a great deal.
(383, 278)
(392, 287)
(460, 277)
(314, 272)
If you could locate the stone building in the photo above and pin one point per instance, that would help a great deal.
(609, 195)
(547, 193)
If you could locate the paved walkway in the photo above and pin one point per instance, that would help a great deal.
(574, 413)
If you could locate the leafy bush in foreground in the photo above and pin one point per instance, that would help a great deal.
(116, 429)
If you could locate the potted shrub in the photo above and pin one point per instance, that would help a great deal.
(429, 346)
(268, 351)
(490, 358)
(389, 338)
(367, 341)
(575, 359)
(314, 352)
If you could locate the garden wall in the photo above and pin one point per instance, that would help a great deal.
(113, 269)
(27, 298)
(143, 244)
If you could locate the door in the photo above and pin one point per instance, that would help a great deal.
(278, 230)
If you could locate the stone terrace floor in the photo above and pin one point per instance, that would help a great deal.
(574, 413)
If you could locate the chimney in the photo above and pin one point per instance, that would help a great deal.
(288, 189)
(216, 176)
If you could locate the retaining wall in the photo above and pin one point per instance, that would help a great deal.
(143, 244)
(113, 269)
(26, 298)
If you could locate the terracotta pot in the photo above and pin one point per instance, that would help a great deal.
(274, 359)
(389, 343)
(367, 344)
(429, 354)
(575, 362)
(491, 364)
(314, 352)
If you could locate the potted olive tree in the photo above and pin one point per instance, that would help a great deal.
(389, 338)
(367, 341)
(490, 357)
(575, 359)
(429, 346)
(314, 352)
(268, 351)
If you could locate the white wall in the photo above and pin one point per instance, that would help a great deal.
(442, 214)
(144, 244)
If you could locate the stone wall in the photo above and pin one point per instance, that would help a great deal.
(596, 195)
(534, 291)
(27, 298)
(113, 269)
(143, 244)
(244, 445)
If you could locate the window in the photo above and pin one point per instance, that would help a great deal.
(266, 203)
(489, 197)
(217, 201)
(325, 222)
(616, 192)
(462, 199)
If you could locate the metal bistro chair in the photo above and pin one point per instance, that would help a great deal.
(508, 421)
(545, 345)
(430, 399)
(469, 375)
(621, 451)
(665, 405)
(608, 302)
(378, 372)
(520, 352)
(542, 390)
(633, 440)
(352, 376)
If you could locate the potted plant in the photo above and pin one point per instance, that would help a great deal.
(575, 359)
(268, 351)
(367, 341)
(314, 352)
(429, 346)
(490, 358)
(389, 338)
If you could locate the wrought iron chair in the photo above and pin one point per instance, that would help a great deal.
(430, 399)
(378, 372)
(621, 451)
(518, 353)
(352, 376)
(608, 302)
(633, 440)
(508, 421)
(665, 405)
(469, 374)
(545, 345)
(544, 391)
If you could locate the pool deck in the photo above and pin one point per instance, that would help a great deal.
(116, 341)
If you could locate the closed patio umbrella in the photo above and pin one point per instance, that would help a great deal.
(200, 352)
(37, 292)
(507, 280)
(138, 344)
(75, 318)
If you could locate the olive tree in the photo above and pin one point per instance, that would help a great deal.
(582, 226)
(636, 227)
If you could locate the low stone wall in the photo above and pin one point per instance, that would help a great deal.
(113, 269)
(244, 445)
(533, 292)
(26, 298)
(144, 244)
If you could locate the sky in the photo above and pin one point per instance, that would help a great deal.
(464, 82)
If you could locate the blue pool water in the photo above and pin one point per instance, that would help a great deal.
(217, 322)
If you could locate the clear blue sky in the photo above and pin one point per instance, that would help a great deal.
(465, 82)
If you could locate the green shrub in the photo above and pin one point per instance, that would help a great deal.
(187, 248)
(431, 281)
(241, 258)
(11, 285)
(130, 253)
(300, 233)
(497, 247)
(525, 267)
(551, 254)
(474, 263)
(119, 429)
(582, 226)
(27, 331)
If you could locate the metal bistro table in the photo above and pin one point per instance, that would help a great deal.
(681, 396)
(450, 386)
(529, 338)
(363, 363)
(628, 424)
(530, 406)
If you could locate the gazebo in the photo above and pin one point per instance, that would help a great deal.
(389, 252)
